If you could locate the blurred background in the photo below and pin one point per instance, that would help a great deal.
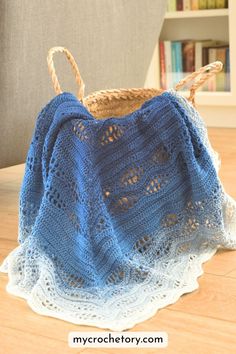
(117, 44)
(112, 41)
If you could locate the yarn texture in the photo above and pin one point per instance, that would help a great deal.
(117, 215)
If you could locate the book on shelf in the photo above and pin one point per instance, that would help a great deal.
(211, 4)
(194, 5)
(180, 58)
(188, 56)
(218, 81)
(202, 4)
(162, 64)
(177, 66)
(171, 5)
(227, 69)
(188, 5)
(168, 62)
(221, 4)
(179, 5)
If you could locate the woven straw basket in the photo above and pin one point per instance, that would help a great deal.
(119, 102)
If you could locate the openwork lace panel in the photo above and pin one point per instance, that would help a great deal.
(117, 215)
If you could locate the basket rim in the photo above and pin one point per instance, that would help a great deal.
(124, 93)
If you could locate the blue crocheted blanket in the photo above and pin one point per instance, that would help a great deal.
(117, 215)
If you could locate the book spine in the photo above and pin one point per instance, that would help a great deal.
(187, 5)
(220, 4)
(211, 4)
(162, 65)
(179, 60)
(198, 55)
(188, 57)
(212, 80)
(205, 61)
(179, 5)
(194, 5)
(227, 70)
(171, 5)
(168, 65)
(205, 57)
(202, 4)
(173, 63)
(221, 77)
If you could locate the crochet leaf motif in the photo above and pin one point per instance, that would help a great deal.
(124, 203)
(81, 131)
(132, 175)
(156, 184)
(111, 134)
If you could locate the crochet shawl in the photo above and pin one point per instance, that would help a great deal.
(117, 215)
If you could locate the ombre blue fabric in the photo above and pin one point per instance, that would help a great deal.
(117, 215)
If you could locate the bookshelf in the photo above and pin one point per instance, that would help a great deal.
(218, 107)
(198, 13)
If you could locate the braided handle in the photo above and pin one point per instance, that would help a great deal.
(75, 68)
(205, 73)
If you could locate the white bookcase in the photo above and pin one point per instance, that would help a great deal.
(217, 108)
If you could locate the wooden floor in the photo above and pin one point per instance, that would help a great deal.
(203, 321)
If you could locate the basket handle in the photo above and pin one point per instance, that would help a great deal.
(204, 74)
(75, 68)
